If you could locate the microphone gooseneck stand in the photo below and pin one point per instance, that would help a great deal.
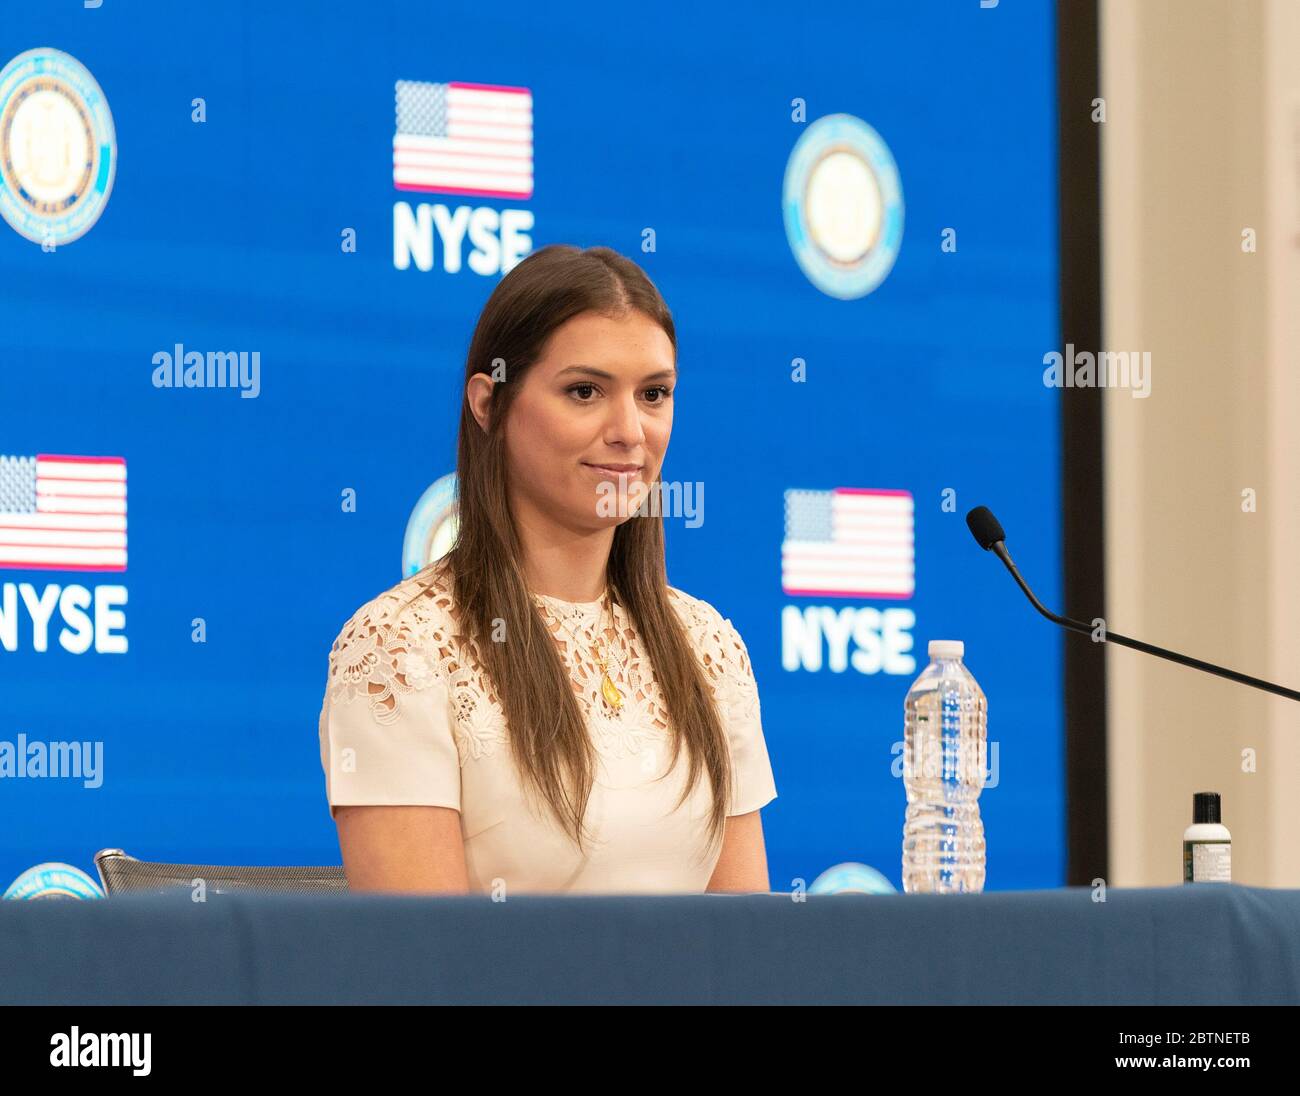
(989, 534)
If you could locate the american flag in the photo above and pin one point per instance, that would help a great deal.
(63, 513)
(848, 542)
(464, 139)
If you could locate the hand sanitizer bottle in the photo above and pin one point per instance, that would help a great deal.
(1207, 844)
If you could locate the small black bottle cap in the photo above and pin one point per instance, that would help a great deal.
(1205, 808)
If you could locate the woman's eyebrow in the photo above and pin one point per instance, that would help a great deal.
(592, 371)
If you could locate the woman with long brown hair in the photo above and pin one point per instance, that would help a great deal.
(538, 710)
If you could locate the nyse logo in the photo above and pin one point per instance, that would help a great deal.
(469, 140)
(871, 640)
(62, 513)
(498, 239)
(848, 542)
(90, 618)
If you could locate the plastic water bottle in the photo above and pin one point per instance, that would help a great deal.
(944, 751)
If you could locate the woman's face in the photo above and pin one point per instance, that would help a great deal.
(588, 429)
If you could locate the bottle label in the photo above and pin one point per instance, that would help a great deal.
(1207, 861)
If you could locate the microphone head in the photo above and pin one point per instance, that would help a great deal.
(986, 529)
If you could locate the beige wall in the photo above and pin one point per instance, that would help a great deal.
(1202, 140)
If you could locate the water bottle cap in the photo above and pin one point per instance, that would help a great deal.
(947, 648)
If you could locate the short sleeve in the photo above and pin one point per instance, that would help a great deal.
(386, 722)
(753, 785)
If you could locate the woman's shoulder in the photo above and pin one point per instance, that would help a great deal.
(712, 633)
(694, 611)
(417, 607)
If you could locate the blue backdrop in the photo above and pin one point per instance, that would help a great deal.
(230, 233)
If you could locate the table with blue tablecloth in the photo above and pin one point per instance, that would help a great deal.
(1199, 944)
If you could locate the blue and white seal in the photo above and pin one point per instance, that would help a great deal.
(431, 529)
(843, 205)
(53, 880)
(851, 878)
(58, 152)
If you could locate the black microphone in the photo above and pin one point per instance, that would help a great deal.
(988, 532)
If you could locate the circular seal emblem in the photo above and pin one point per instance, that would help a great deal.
(53, 881)
(843, 206)
(851, 878)
(431, 529)
(58, 153)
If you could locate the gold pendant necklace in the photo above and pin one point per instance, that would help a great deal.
(607, 687)
(608, 690)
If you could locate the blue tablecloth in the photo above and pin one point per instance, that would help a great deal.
(1202, 944)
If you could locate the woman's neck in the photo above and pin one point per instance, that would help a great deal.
(563, 563)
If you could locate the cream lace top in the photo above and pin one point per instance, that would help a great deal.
(408, 720)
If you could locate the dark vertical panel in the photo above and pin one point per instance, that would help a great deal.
(1083, 534)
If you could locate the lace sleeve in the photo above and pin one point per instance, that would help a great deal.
(726, 662)
(386, 730)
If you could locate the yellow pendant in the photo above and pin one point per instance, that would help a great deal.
(611, 694)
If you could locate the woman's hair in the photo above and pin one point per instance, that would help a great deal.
(549, 741)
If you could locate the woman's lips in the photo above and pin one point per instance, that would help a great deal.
(614, 469)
